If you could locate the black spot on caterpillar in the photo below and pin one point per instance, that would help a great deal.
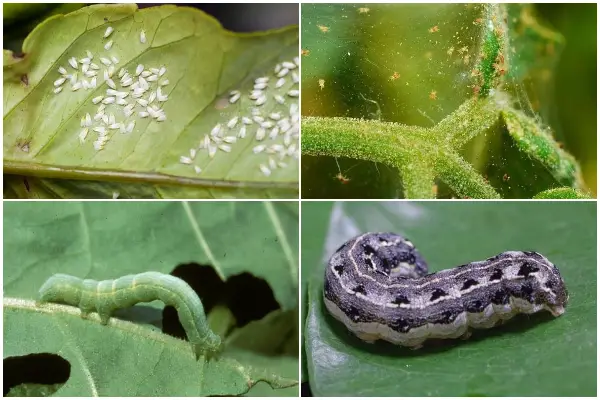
(107, 296)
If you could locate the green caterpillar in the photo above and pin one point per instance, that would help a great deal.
(107, 296)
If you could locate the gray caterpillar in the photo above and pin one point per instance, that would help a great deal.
(109, 295)
(378, 286)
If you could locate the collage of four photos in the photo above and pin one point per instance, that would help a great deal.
(300, 200)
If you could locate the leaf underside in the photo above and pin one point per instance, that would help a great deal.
(204, 63)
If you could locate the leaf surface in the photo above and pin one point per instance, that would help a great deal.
(203, 62)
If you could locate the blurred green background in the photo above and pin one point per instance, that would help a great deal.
(382, 61)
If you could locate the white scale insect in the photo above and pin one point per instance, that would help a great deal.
(377, 285)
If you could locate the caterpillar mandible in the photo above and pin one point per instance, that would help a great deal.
(106, 296)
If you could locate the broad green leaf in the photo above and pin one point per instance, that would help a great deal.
(106, 240)
(415, 72)
(204, 63)
(535, 355)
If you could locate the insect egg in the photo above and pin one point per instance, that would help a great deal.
(153, 78)
(58, 90)
(263, 79)
(197, 169)
(229, 139)
(105, 61)
(110, 83)
(93, 82)
(143, 36)
(146, 74)
(114, 59)
(277, 68)
(142, 102)
(280, 82)
(283, 72)
(275, 116)
(139, 70)
(111, 71)
(59, 81)
(295, 77)
(242, 132)
(108, 100)
(225, 148)
(152, 97)
(73, 62)
(232, 99)
(76, 86)
(108, 45)
(108, 31)
(246, 121)
(162, 71)
(62, 71)
(185, 160)
(166, 82)
(258, 149)
(293, 93)
(94, 66)
(288, 65)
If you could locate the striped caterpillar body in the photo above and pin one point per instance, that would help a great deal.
(109, 295)
(377, 285)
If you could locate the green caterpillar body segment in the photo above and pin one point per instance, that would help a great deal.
(107, 296)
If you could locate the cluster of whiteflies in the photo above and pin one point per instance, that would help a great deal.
(270, 116)
(139, 92)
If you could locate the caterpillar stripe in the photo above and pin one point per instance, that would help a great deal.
(107, 296)
(377, 285)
